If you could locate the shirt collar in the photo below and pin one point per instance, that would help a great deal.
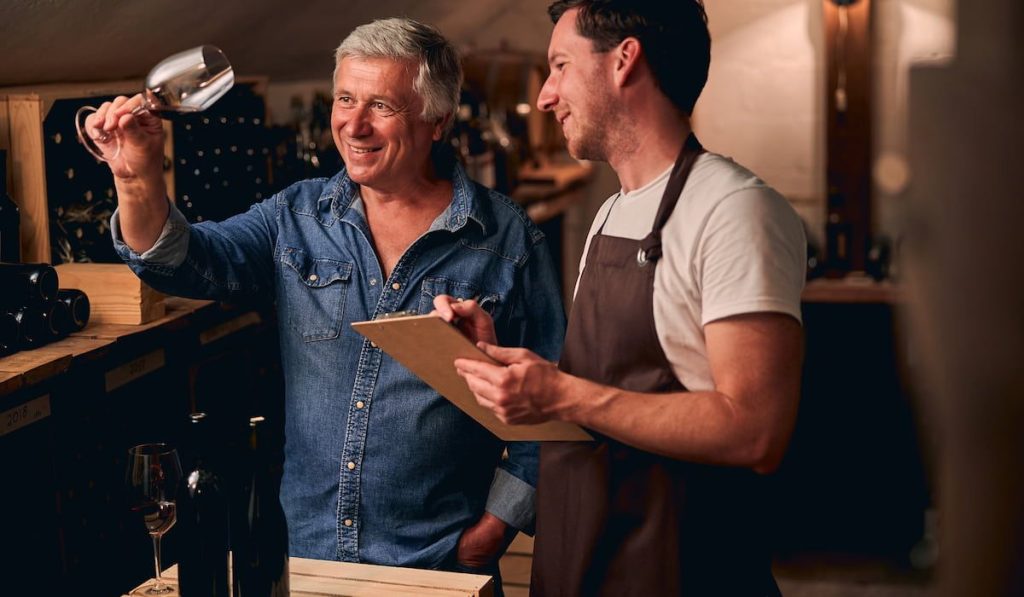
(470, 201)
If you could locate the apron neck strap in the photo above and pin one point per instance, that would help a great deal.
(650, 246)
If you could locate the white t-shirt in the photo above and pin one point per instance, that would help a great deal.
(732, 245)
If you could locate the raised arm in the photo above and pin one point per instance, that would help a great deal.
(137, 168)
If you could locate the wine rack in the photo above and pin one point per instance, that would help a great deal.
(216, 164)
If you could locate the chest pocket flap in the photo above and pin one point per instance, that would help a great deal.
(315, 293)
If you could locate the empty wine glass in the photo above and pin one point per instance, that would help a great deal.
(154, 473)
(189, 81)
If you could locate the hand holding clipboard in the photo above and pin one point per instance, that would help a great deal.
(428, 346)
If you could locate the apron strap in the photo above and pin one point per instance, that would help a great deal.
(650, 246)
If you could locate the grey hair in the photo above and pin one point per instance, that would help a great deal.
(439, 75)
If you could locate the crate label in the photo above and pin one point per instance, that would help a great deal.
(25, 414)
(229, 327)
(133, 370)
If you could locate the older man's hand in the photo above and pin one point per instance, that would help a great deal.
(467, 315)
(482, 543)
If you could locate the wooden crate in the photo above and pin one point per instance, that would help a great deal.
(23, 118)
(116, 294)
(23, 111)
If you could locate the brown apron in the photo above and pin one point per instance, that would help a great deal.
(611, 519)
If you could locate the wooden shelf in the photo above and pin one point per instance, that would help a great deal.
(851, 289)
(30, 367)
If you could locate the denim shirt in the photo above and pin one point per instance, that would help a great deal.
(379, 468)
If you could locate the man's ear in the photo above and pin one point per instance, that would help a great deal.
(626, 58)
(440, 126)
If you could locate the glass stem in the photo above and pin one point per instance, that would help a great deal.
(156, 561)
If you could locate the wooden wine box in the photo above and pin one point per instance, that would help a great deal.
(116, 294)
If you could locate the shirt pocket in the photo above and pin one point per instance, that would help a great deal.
(432, 287)
(315, 289)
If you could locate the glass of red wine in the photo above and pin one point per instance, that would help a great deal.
(154, 473)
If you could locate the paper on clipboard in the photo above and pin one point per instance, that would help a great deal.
(427, 346)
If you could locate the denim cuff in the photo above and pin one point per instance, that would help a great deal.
(169, 250)
(511, 500)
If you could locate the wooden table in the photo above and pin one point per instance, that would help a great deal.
(337, 579)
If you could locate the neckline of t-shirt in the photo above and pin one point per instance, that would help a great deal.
(657, 181)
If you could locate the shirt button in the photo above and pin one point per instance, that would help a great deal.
(396, 285)
(312, 277)
(351, 466)
(348, 522)
(360, 404)
(373, 281)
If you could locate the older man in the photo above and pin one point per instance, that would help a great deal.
(684, 346)
(378, 467)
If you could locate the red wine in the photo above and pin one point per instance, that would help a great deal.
(202, 521)
(158, 517)
(261, 537)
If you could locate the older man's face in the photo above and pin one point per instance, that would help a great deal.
(376, 123)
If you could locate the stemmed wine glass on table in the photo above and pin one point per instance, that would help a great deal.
(154, 473)
(187, 82)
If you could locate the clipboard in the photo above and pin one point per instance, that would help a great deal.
(428, 346)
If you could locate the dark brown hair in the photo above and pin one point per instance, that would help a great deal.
(673, 34)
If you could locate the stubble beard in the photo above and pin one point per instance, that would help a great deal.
(596, 127)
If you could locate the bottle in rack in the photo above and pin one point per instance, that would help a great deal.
(78, 308)
(27, 284)
(10, 333)
(10, 220)
(202, 520)
(259, 530)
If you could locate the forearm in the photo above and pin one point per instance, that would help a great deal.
(143, 207)
(707, 427)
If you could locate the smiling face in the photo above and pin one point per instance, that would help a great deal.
(577, 90)
(377, 126)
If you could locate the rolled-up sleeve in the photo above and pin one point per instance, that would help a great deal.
(169, 250)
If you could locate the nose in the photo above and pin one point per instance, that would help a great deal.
(358, 124)
(548, 97)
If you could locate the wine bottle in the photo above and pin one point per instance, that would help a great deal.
(78, 308)
(27, 284)
(10, 220)
(202, 520)
(35, 325)
(260, 552)
(9, 334)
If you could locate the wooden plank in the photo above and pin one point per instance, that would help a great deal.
(116, 331)
(515, 569)
(35, 365)
(337, 579)
(522, 544)
(216, 332)
(28, 173)
(135, 369)
(10, 382)
(852, 289)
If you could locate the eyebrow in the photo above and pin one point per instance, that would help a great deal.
(555, 56)
(373, 98)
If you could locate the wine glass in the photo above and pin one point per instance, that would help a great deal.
(189, 81)
(154, 473)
